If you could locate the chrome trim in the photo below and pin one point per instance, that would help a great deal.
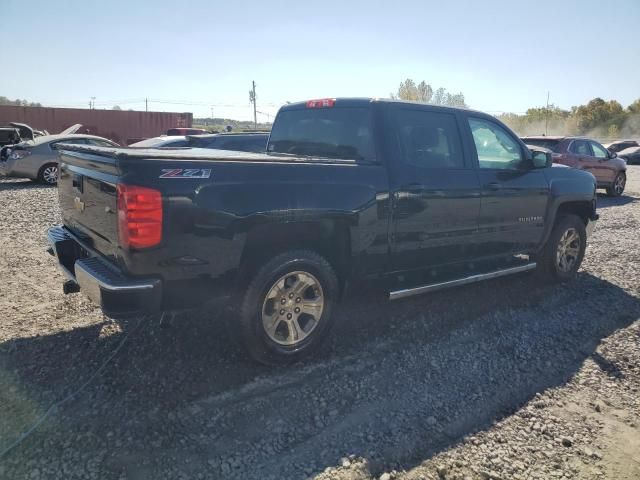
(85, 272)
(460, 281)
(93, 273)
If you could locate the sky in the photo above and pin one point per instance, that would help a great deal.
(195, 56)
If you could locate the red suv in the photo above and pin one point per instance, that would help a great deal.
(586, 154)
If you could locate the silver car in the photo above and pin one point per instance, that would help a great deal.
(165, 141)
(37, 159)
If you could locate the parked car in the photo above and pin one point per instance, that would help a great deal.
(631, 155)
(37, 159)
(616, 147)
(185, 131)
(9, 136)
(17, 132)
(243, 142)
(164, 141)
(418, 197)
(586, 154)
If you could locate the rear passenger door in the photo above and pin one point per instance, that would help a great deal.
(436, 194)
(514, 194)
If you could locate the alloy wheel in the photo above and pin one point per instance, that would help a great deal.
(568, 250)
(619, 184)
(292, 308)
(50, 175)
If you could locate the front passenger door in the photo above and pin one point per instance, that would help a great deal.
(514, 194)
(602, 168)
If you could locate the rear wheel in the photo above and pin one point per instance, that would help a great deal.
(619, 183)
(48, 174)
(287, 307)
(563, 253)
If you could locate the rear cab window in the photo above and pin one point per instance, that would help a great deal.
(340, 132)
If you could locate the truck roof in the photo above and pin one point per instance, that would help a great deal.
(363, 101)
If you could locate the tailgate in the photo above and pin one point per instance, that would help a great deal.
(88, 198)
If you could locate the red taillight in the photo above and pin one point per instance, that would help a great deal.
(321, 103)
(139, 216)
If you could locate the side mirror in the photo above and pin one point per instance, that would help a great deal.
(541, 159)
(613, 154)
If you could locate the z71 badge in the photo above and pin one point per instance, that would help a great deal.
(185, 173)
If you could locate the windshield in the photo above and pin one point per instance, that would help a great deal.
(324, 132)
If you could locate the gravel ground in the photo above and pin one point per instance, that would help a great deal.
(505, 379)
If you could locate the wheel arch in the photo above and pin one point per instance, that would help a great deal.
(327, 237)
(584, 209)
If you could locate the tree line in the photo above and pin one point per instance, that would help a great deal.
(598, 118)
(18, 103)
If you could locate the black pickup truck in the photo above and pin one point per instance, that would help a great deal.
(419, 197)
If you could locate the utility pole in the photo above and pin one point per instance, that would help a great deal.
(252, 99)
(92, 103)
(546, 116)
(146, 104)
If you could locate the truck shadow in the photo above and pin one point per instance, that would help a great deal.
(605, 202)
(388, 368)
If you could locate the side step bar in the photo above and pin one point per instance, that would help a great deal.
(395, 295)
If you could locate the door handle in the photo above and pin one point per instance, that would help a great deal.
(493, 186)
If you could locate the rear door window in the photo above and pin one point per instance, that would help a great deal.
(334, 132)
(71, 141)
(429, 139)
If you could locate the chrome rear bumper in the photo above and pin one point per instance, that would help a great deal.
(104, 283)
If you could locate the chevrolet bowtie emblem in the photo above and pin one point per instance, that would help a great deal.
(79, 204)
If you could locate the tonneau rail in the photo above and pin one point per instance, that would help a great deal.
(195, 154)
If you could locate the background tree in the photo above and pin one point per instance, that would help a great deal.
(634, 107)
(606, 120)
(424, 93)
(116, 107)
(18, 102)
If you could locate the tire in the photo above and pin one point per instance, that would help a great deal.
(549, 261)
(619, 183)
(271, 324)
(48, 174)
